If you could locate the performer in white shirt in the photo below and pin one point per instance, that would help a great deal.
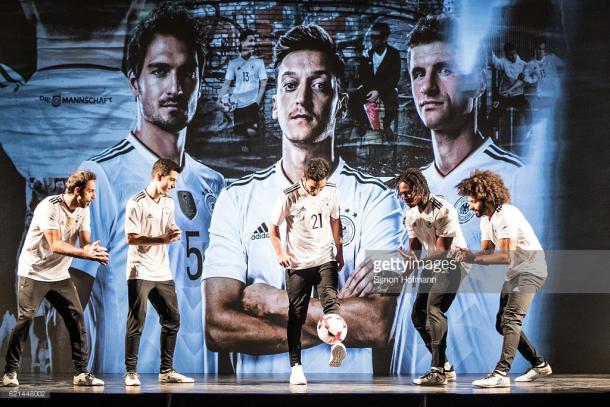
(50, 244)
(507, 238)
(310, 208)
(432, 225)
(149, 228)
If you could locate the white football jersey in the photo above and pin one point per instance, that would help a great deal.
(472, 340)
(146, 217)
(122, 171)
(545, 73)
(37, 261)
(510, 73)
(438, 219)
(508, 222)
(309, 237)
(62, 116)
(240, 247)
(247, 73)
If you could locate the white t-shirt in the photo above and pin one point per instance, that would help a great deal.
(378, 59)
(240, 247)
(507, 222)
(247, 73)
(37, 261)
(438, 219)
(121, 171)
(510, 73)
(146, 217)
(309, 236)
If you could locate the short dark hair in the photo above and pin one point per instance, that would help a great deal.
(164, 166)
(415, 179)
(309, 37)
(433, 28)
(509, 46)
(317, 169)
(79, 179)
(485, 186)
(383, 28)
(170, 20)
(245, 33)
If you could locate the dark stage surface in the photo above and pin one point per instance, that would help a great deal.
(352, 390)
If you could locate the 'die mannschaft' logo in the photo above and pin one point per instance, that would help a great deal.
(58, 100)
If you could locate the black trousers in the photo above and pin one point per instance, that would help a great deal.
(516, 297)
(63, 296)
(162, 296)
(299, 284)
(434, 297)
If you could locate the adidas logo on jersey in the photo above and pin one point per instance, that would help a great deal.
(262, 232)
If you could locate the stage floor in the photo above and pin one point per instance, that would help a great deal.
(273, 389)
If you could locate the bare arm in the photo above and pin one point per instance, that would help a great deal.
(172, 234)
(282, 258)
(489, 256)
(92, 251)
(230, 328)
(262, 85)
(224, 89)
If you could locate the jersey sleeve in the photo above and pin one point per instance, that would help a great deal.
(506, 228)
(381, 223)
(133, 218)
(335, 211)
(279, 211)
(447, 222)
(226, 253)
(103, 212)
(86, 225)
(48, 216)
(262, 73)
(485, 235)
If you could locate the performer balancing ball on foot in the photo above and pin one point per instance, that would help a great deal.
(310, 208)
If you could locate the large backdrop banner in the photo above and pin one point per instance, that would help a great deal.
(528, 75)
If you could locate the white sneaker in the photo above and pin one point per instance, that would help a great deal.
(450, 372)
(434, 377)
(171, 376)
(297, 376)
(10, 379)
(337, 354)
(494, 379)
(87, 379)
(535, 373)
(132, 379)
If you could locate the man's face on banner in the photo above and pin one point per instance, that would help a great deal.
(444, 97)
(307, 97)
(168, 85)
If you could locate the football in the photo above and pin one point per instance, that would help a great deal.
(332, 328)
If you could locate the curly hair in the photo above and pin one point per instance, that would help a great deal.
(485, 186)
(311, 38)
(415, 179)
(317, 169)
(79, 179)
(170, 20)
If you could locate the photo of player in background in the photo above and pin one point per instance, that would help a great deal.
(166, 58)
(246, 302)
